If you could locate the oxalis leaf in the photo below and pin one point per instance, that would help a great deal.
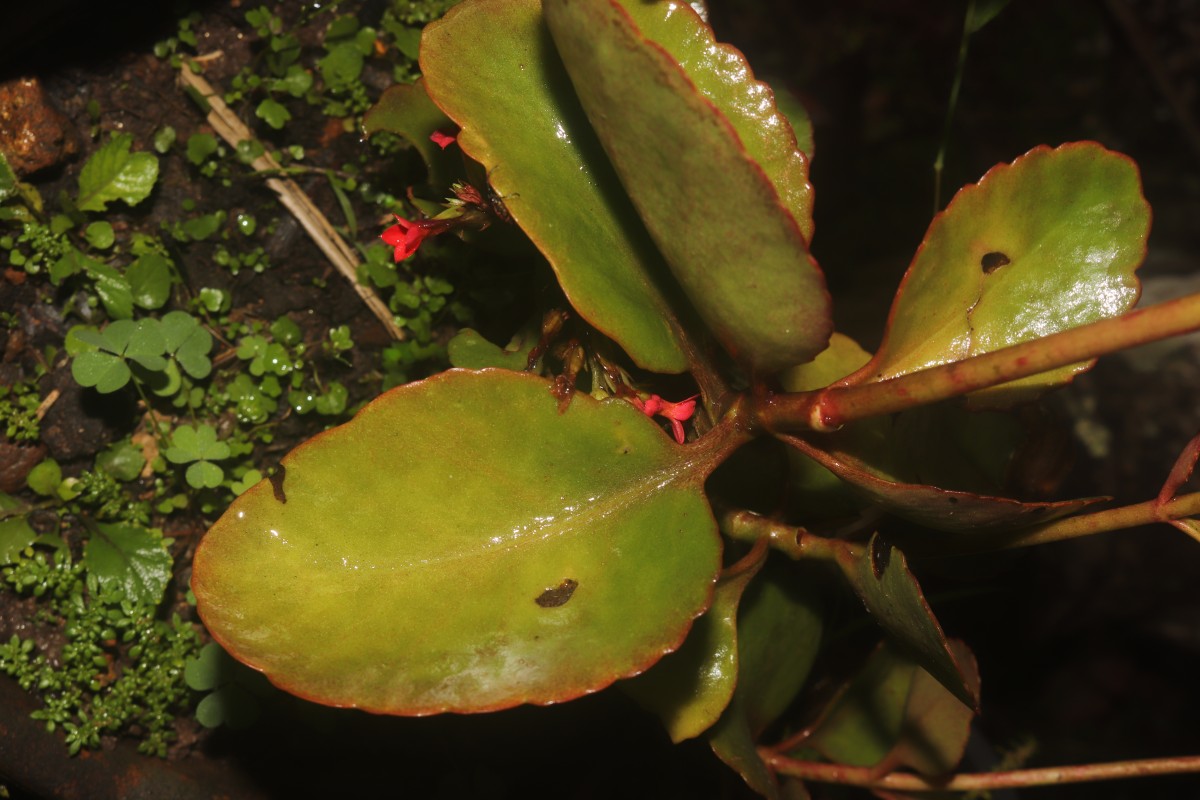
(544, 160)
(114, 173)
(496, 552)
(731, 235)
(1047, 243)
(129, 557)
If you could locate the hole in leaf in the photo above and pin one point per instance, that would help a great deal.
(558, 595)
(881, 554)
(993, 261)
(276, 479)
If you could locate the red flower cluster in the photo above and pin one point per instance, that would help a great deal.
(676, 413)
(406, 236)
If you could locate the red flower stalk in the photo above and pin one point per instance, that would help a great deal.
(406, 236)
(442, 140)
(676, 413)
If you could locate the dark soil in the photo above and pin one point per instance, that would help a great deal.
(1089, 650)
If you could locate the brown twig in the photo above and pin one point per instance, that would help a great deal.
(965, 782)
(232, 130)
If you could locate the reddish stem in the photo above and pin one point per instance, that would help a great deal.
(1044, 776)
(830, 408)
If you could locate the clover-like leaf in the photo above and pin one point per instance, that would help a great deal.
(197, 443)
(129, 557)
(544, 159)
(188, 342)
(700, 178)
(495, 553)
(114, 173)
(104, 372)
(1044, 244)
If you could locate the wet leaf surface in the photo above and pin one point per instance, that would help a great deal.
(689, 689)
(726, 230)
(1046, 243)
(421, 575)
(544, 160)
(780, 626)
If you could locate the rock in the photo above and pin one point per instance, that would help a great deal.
(15, 462)
(34, 134)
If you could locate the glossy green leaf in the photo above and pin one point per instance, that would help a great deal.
(1047, 243)
(469, 350)
(406, 111)
(721, 74)
(728, 232)
(893, 714)
(880, 576)
(931, 506)
(462, 546)
(689, 689)
(131, 558)
(114, 173)
(780, 625)
(491, 67)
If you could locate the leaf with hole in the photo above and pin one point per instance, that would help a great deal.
(1046, 243)
(496, 552)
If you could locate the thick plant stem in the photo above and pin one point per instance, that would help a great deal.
(830, 408)
(1044, 776)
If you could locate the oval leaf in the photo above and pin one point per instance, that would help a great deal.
(690, 688)
(131, 558)
(727, 234)
(460, 545)
(720, 73)
(1047, 243)
(491, 67)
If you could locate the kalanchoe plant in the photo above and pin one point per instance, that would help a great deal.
(492, 537)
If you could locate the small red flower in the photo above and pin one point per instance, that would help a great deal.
(406, 236)
(442, 140)
(676, 413)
